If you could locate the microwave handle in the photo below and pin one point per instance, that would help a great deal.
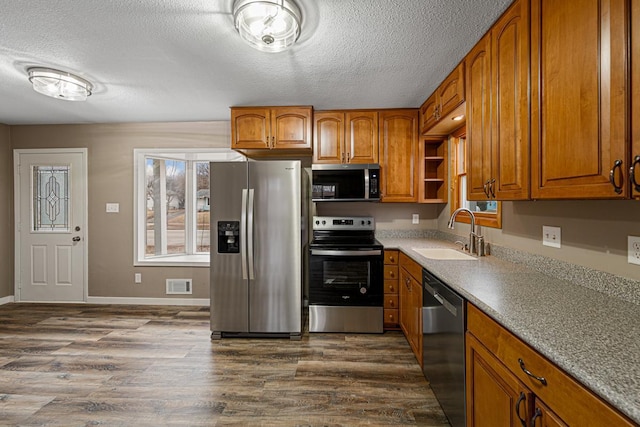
(367, 185)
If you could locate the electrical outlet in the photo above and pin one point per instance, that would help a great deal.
(415, 219)
(633, 251)
(113, 207)
(551, 236)
(137, 277)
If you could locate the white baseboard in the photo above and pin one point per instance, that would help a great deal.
(7, 300)
(149, 301)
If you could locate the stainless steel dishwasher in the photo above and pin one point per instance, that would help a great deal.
(443, 326)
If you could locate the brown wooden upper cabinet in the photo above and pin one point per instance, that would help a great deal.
(446, 98)
(497, 108)
(345, 137)
(634, 173)
(579, 99)
(398, 155)
(272, 128)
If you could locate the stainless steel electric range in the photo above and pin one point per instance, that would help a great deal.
(345, 276)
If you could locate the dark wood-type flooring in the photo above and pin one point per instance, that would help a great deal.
(108, 365)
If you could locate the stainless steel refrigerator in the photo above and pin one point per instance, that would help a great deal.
(258, 238)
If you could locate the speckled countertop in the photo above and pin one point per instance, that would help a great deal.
(592, 336)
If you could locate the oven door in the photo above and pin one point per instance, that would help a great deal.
(346, 277)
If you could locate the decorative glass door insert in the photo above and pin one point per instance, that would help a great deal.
(51, 198)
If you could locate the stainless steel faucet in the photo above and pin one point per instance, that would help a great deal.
(476, 243)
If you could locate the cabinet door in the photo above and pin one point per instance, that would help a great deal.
(451, 91)
(429, 113)
(291, 128)
(495, 398)
(478, 105)
(361, 136)
(635, 96)
(250, 128)
(404, 297)
(328, 137)
(545, 417)
(510, 103)
(398, 155)
(578, 98)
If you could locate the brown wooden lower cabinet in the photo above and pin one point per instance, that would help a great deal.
(410, 296)
(500, 392)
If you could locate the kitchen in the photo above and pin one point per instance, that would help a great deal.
(594, 232)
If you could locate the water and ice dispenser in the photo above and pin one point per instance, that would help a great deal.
(228, 237)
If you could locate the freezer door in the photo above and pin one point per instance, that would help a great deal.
(229, 291)
(275, 292)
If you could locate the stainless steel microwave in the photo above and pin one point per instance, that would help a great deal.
(345, 183)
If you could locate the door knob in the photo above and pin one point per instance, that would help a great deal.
(76, 239)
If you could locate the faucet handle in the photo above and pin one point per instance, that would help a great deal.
(480, 248)
(463, 245)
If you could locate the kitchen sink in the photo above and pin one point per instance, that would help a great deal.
(443, 254)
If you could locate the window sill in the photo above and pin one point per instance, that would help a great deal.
(175, 261)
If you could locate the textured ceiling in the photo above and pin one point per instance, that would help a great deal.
(182, 60)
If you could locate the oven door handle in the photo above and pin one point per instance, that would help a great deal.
(331, 252)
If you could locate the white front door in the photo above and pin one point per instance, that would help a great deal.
(50, 216)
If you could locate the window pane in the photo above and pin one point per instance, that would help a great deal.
(203, 207)
(51, 198)
(165, 204)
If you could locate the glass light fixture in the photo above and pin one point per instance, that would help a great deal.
(59, 84)
(267, 25)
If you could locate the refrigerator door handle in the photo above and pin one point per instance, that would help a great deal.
(250, 235)
(243, 234)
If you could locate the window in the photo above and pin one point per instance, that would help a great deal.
(487, 213)
(173, 205)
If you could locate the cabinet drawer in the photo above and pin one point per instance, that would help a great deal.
(391, 272)
(390, 301)
(412, 267)
(391, 257)
(570, 400)
(391, 316)
(391, 287)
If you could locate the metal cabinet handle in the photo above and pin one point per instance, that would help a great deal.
(632, 175)
(348, 157)
(526, 371)
(612, 178)
(492, 187)
(485, 188)
(521, 399)
(537, 414)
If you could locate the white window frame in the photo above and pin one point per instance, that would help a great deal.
(200, 259)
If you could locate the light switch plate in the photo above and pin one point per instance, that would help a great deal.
(633, 251)
(113, 207)
(551, 236)
(415, 219)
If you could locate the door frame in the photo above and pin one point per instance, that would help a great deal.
(17, 213)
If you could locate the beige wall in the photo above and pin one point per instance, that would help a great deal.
(110, 163)
(6, 213)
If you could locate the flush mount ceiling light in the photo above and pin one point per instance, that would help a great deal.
(59, 84)
(267, 25)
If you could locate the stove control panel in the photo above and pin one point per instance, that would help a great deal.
(343, 223)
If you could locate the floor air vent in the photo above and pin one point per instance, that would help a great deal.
(179, 286)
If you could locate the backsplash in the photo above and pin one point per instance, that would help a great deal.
(607, 283)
